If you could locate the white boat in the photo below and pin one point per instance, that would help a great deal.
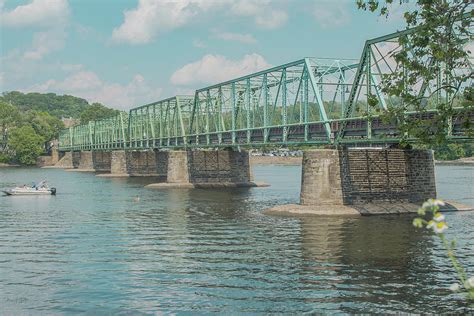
(40, 189)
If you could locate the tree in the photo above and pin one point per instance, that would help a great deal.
(97, 111)
(9, 116)
(56, 105)
(44, 124)
(26, 144)
(443, 29)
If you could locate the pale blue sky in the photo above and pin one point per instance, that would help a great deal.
(125, 53)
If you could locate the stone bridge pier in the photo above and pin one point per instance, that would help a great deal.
(206, 169)
(354, 181)
(174, 168)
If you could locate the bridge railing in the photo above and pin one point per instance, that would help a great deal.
(109, 133)
(263, 106)
(160, 124)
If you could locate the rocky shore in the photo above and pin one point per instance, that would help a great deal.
(7, 165)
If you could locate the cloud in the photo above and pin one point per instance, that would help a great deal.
(264, 12)
(332, 14)
(272, 19)
(45, 42)
(48, 17)
(235, 37)
(216, 68)
(36, 13)
(88, 85)
(151, 17)
(80, 81)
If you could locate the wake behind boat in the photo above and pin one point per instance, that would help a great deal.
(39, 189)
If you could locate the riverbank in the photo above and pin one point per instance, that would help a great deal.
(7, 165)
(457, 162)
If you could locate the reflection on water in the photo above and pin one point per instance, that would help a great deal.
(94, 249)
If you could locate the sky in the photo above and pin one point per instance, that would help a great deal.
(126, 53)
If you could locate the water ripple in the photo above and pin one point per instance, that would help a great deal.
(92, 249)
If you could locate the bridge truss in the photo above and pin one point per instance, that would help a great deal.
(308, 101)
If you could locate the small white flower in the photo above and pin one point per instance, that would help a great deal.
(440, 228)
(433, 202)
(439, 217)
(454, 287)
(437, 202)
(469, 284)
(430, 224)
(427, 204)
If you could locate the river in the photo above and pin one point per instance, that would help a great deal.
(95, 249)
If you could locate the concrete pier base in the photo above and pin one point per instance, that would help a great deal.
(118, 165)
(364, 182)
(54, 155)
(102, 161)
(206, 169)
(85, 162)
(65, 162)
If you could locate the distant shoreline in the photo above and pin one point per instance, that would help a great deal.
(458, 162)
(6, 165)
(297, 161)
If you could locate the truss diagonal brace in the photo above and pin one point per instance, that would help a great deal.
(322, 110)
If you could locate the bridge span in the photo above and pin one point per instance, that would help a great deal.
(199, 140)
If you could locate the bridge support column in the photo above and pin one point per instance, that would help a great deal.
(54, 155)
(207, 169)
(146, 163)
(177, 168)
(363, 181)
(65, 161)
(118, 165)
(83, 161)
(101, 161)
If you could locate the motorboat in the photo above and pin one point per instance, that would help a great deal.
(39, 189)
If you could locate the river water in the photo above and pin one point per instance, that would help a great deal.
(93, 248)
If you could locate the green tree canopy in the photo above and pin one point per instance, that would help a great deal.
(44, 124)
(26, 144)
(438, 45)
(56, 105)
(9, 116)
(97, 111)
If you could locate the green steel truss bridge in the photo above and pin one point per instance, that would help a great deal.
(311, 101)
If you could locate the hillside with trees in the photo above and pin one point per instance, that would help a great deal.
(30, 121)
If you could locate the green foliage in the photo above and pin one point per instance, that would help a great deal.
(44, 124)
(431, 218)
(450, 152)
(9, 115)
(5, 158)
(28, 122)
(26, 144)
(437, 47)
(56, 105)
(97, 111)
